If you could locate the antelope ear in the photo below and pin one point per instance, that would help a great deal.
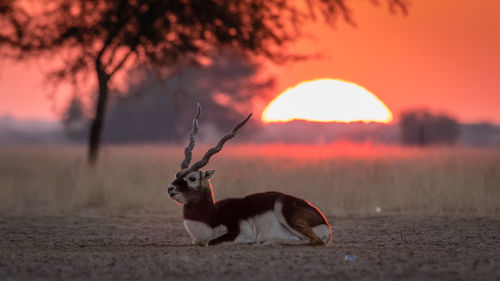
(209, 173)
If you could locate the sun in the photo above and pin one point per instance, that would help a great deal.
(327, 100)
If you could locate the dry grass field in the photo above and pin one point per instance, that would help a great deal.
(341, 179)
(439, 213)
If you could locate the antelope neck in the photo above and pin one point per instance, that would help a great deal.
(203, 210)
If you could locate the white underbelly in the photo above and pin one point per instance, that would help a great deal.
(262, 228)
(202, 232)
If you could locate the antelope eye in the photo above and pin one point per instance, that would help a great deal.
(192, 179)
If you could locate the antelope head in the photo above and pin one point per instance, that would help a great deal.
(192, 185)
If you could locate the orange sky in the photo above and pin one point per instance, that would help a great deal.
(444, 56)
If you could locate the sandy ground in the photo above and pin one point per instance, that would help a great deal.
(155, 247)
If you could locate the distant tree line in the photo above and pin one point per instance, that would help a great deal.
(480, 134)
(418, 128)
(422, 128)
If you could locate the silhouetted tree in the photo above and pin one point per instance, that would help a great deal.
(102, 36)
(423, 128)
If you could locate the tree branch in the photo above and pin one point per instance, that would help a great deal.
(120, 64)
(108, 42)
(112, 35)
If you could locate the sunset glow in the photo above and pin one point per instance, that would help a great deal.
(327, 100)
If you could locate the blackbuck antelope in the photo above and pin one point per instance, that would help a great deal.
(267, 218)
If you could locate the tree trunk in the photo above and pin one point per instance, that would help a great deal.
(98, 121)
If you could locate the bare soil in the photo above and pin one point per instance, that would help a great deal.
(156, 247)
